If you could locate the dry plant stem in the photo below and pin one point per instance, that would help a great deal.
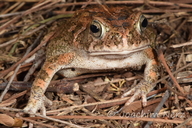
(182, 98)
(179, 27)
(165, 77)
(181, 45)
(173, 90)
(157, 109)
(149, 11)
(119, 118)
(39, 115)
(33, 9)
(23, 36)
(18, 7)
(155, 11)
(162, 59)
(36, 122)
(99, 2)
(56, 118)
(117, 80)
(91, 93)
(14, 97)
(3, 73)
(65, 87)
(182, 125)
(101, 120)
(116, 101)
(13, 76)
(9, 83)
(32, 69)
(146, 2)
(158, 3)
(175, 32)
(33, 44)
(180, 60)
(22, 85)
(188, 101)
(17, 85)
(157, 91)
(8, 103)
(27, 76)
(102, 104)
(9, 22)
(11, 14)
(45, 22)
(11, 8)
(174, 111)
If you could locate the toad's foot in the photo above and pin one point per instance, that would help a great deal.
(36, 104)
(142, 89)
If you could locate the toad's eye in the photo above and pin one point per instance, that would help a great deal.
(96, 29)
(142, 24)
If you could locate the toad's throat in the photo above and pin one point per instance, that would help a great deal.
(119, 53)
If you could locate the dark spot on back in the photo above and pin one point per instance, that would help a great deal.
(110, 18)
(125, 24)
(122, 18)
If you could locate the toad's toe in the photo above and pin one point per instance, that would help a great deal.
(38, 104)
(142, 89)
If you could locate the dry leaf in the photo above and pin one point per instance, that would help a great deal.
(9, 121)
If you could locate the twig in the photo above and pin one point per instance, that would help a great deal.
(37, 122)
(10, 14)
(181, 45)
(161, 57)
(35, 8)
(116, 101)
(119, 118)
(157, 109)
(3, 73)
(9, 83)
(182, 125)
(165, 77)
(13, 76)
(56, 118)
(14, 97)
(27, 76)
(23, 36)
(158, 3)
(39, 115)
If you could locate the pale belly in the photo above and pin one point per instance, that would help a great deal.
(85, 64)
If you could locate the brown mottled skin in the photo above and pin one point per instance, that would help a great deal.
(95, 39)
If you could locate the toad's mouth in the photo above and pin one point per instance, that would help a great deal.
(119, 53)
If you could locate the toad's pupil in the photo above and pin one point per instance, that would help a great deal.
(94, 28)
(144, 23)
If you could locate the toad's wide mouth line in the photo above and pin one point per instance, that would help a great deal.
(123, 52)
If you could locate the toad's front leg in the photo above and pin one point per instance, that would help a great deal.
(53, 64)
(151, 75)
